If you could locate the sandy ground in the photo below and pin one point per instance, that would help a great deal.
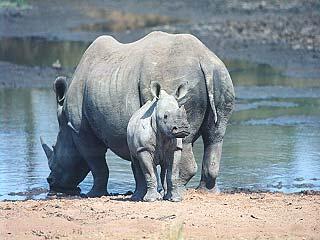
(199, 216)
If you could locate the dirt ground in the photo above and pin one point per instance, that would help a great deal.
(199, 216)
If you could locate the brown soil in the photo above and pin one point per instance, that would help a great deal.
(199, 216)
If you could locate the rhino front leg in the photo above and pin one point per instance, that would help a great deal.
(93, 151)
(100, 173)
(149, 170)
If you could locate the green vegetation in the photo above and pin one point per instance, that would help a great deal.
(176, 232)
(13, 4)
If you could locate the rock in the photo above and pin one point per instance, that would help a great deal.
(56, 64)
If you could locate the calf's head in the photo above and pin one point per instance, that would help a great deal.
(67, 167)
(171, 119)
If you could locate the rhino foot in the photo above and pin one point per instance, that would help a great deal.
(203, 188)
(137, 196)
(174, 196)
(94, 193)
(162, 193)
(152, 195)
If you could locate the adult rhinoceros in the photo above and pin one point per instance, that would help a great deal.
(112, 81)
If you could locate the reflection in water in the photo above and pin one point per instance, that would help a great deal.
(253, 74)
(36, 51)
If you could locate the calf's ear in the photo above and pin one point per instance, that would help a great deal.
(60, 88)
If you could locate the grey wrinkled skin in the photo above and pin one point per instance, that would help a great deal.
(112, 81)
(154, 137)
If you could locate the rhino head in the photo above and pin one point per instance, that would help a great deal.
(171, 119)
(67, 167)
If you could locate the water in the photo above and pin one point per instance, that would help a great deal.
(38, 51)
(272, 142)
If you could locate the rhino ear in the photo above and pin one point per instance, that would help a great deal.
(60, 88)
(155, 89)
(182, 90)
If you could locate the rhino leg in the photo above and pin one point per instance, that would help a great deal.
(188, 166)
(163, 179)
(212, 135)
(174, 192)
(141, 187)
(93, 151)
(149, 171)
(210, 166)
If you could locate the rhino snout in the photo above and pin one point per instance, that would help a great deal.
(56, 188)
(181, 131)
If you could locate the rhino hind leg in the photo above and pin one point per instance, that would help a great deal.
(187, 166)
(141, 187)
(212, 135)
(210, 167)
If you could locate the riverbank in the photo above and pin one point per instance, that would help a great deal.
(199, 216)
(282, 34)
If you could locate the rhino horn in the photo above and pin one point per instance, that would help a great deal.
(47, 150)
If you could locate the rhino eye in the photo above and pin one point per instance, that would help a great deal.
(165, 116)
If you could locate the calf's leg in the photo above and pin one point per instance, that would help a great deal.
(174, 186)
(141, 187)
(149, 170)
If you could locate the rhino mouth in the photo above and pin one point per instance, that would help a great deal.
(180, 133)
(58, 191)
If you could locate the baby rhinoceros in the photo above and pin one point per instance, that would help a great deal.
(154, 136)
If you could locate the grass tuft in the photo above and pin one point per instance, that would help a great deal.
(176, 232)
(13, 4)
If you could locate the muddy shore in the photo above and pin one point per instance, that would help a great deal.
(199, 216)
(283, 34)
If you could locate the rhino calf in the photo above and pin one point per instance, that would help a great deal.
(154, 137)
